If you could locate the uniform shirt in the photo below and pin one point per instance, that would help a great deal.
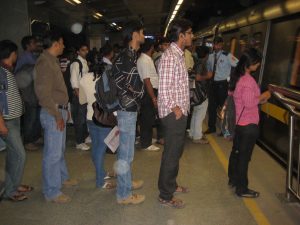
(14, 100)
(146, 69)
(246, 99)
(173, 88)
(49, 84)
(224, 63)
(75, 72)
(87, 93)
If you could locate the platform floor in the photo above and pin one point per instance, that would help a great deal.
(202, 169)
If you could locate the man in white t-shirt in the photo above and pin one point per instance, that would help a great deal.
(78, 68)
(149, 76)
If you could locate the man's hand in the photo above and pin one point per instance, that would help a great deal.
(76, 91)
(154, 101)
(264, 97)
(178, 112)
(3, 129)
(60, 124)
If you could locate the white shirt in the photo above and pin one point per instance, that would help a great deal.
(87, 93)
(146, 69)
(75, 73)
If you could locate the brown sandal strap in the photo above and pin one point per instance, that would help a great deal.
(181, 189)
(25, 188)
(174, 203)
(18, 197)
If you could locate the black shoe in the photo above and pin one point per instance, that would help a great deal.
(248, 194)
(209, 131)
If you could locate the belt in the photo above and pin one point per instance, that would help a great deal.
(65, 107)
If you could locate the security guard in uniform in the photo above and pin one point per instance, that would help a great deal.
(219, 64)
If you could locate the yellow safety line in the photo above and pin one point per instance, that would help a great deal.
(254, 209)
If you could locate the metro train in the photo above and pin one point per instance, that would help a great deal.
(274, 28)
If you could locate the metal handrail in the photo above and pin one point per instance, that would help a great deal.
(290, 98)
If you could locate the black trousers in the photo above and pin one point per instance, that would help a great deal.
(173, 149)
(79, 118)
(149, 118)
(217, 95)
(243, 144)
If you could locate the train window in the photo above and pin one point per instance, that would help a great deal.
(295, 76)
(243, 43)
(257, 41)
(233, 45)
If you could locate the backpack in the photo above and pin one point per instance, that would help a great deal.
(228, 117)
(80, 65)
(106, 91)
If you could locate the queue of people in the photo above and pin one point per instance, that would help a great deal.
(151, 80)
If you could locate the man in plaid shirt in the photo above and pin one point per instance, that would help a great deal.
(173, 107)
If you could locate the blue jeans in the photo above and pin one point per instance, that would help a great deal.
(15, 157)
(127, 126)
(54, 166)
(98, 134)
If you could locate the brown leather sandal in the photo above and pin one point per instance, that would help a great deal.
(18, 197)
(173, 203)
(25, 188)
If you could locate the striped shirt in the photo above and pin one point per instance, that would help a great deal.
(14, 100)
(173, 88)
(246, 99)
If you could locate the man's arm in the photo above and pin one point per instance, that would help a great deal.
(3, 128)
(150, 91)
(74, 70)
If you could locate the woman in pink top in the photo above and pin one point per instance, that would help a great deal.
(247, 97)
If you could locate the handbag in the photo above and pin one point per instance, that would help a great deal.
(103, 118)
(198, 94)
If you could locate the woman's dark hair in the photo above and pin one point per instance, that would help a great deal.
(249, 57)
(177, 27)
(218, 39)
(202, 51)
(26, 41)
(6, 48)
(50, 38)
(97, 70)
(129, 28)
(147, 45)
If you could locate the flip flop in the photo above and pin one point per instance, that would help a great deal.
(181, 189)
(173, 203)
(25, 188)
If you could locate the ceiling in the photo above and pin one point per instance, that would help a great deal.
(153, 13)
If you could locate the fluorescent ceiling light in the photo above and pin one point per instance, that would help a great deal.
(77, 1)
(114, 24)
(69, 1)
(174, 12)
(96, 16)
(179, 2)
(99, 14)
(177, 7)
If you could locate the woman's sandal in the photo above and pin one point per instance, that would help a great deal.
(181, 189)
(25, 188)
(110, 175)
(109, 185)
(173, 203)
(18, 197)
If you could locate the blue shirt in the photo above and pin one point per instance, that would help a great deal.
(26, 58)
(224, 63)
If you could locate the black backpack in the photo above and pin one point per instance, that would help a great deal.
(106, 91)
(80, 65)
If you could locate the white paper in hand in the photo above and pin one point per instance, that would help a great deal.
(112, 139)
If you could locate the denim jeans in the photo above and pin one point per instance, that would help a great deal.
(243, 144)
(198, 116)
(32, 129)
(127, 126)
(15, 157)
(79, 118)
(54, 165)
(98, 134)
(2, 144)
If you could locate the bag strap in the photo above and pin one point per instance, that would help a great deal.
(240, 115)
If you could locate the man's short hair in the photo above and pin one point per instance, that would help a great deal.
(26, 41)
(106, 50)
(202, 51)
(50, 38)
(163, 40)
(218, 40)
(176, 27)
(147, 45)
(6, 48)
(129, 28)
(80, 45)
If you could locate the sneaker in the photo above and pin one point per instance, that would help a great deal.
(137, 184)
(202, 140)
(70, 182)
(61, 199)
(88, 140)
(31, 146)
(133, 199)
(83, 147)
(152, 148)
